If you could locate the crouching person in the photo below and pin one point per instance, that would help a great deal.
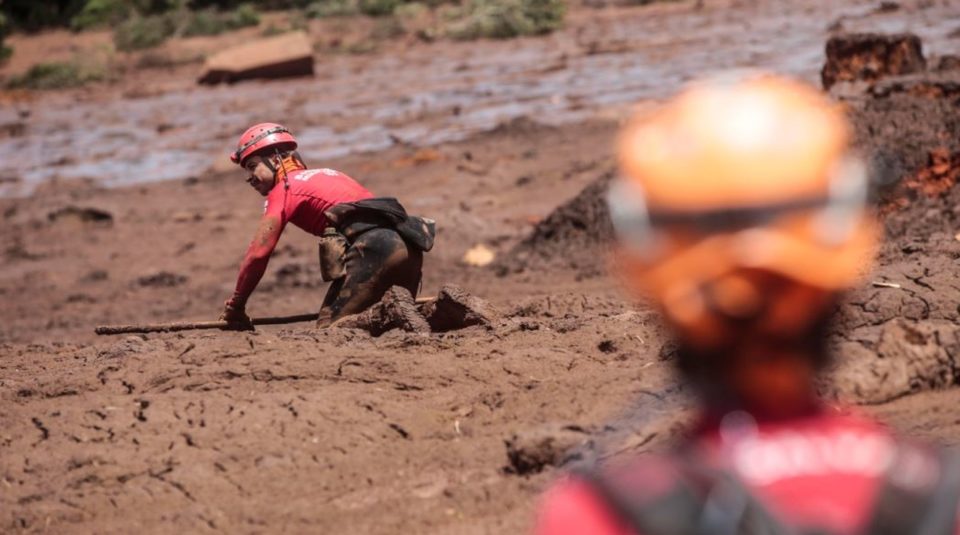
(367, 244)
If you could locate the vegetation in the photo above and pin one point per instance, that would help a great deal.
(211, 22)
(143, 24)
(500, 19)
(100, 13)
(142, 32)
(5, 51)
(331, 8)
(57, 76)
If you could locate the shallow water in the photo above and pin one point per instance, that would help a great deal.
(434, 94)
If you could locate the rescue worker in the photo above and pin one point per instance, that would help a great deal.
(367, 244)
(741, 216)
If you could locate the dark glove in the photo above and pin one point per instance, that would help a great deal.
(236, 317)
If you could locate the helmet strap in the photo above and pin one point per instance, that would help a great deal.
(283, 168)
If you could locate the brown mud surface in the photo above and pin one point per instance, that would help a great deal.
(293, 429)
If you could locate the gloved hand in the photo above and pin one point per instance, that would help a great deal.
(235, 316)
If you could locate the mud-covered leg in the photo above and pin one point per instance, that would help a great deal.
(378, 260)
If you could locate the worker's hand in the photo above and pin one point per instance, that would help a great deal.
(236, 317)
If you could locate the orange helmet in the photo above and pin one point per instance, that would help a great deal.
(740, 175)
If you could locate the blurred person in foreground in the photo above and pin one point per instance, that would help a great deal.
(741, 215)
(367, 244)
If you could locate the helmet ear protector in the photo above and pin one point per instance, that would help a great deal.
(642, 230)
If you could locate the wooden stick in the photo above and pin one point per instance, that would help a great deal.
(197, 325)
(219, 324)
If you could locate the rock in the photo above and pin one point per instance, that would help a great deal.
(530, 451)
(908, 357)
(869, 57)
(162, 279)
(454, 308)
(82, 215)
(397, 310)
(283, 56)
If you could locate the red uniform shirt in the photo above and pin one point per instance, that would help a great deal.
(311, 192)
(821, 471)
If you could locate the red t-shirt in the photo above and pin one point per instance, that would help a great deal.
(311, 192)
(821, 471)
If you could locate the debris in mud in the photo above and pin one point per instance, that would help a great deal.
(899, 121)
(162, 279)
(479, 255)
(927, 85)
(14, 129)
(454, 308)
(948, 62)
(127, 346)
(530, 451)
(283, 56)
(870, 56)
(397, 310)
(908, 357)
(96, 275)
(939, 176)
(82, 215)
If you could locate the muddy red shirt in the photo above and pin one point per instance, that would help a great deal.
(821, 471)
(311, 192)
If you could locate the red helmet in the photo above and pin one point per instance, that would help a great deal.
(261, 136)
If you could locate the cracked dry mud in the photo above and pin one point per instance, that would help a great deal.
(291, 429)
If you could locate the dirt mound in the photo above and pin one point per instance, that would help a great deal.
(899, 122)
(571, 237)
(870, 56)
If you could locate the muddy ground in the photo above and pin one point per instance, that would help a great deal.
(291, 429)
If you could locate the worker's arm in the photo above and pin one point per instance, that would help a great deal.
(254, 264)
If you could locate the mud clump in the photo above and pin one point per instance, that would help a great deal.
(396, 310)
(869, 57)
(161, 279)
(81, 215)
(908, 357)
(453, 309)
(938, 177)
(530, 451)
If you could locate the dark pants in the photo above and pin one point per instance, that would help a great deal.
(375, 261)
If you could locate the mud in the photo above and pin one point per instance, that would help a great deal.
(396, 310)
(293, 429)
(531, 451)
(870, 57)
